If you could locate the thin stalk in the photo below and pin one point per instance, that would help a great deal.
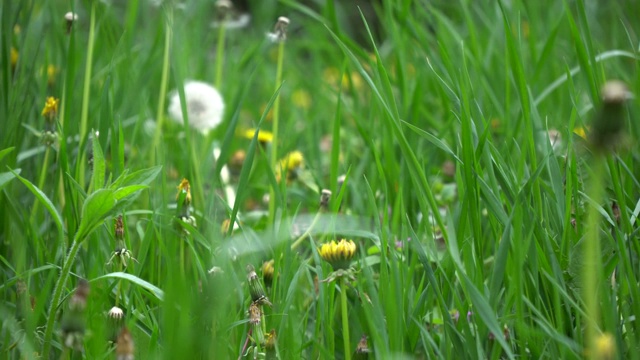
(220, 54)
(163, 85)
(57, 293)
(304, 235)
(274, 142)
(182, 256)
(84, 115)
(345, 319)
(591, 270)
(119, 286)
(41, 180)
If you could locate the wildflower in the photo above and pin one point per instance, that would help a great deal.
(14, 58)
(256, 289)
(339, 254)
(608, 124)
(455, 315)
(362, 349)
(184, 189)
(70, 18)
(263, 135)
(52, 71)
(50, 110)
(236, 162)
(267, 272)
(270, 345)
(115, 313)
(581, 131)
(325, 196)
(290, 164)
(301, 99)
(279, 33)
(205, 106)
(124, 345)
(255, 320)
(605, 347)
(229, 16)
(120, 251)
(73, 321)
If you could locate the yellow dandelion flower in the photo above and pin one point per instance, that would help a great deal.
(50, 109)
(14, 57)
(301, 99)
(263, 136)
(338, 254)
(184, 187)
(581, 131)
(52, 71)
(267, 272)
(289, 165)
(605, 347)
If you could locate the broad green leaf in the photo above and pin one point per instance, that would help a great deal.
(141, 177)
(156, 291)
(96, 208)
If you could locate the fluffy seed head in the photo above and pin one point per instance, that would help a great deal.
(205, 106)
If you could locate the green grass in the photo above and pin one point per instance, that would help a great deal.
(515, 252)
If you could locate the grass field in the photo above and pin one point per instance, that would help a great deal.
(489, 187)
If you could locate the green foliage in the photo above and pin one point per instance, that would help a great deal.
(486, 226)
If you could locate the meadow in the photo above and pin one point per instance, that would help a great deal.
(402, 180)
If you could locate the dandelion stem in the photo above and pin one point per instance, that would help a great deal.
(304, 235)
(276, 118)
(591, 270)
(220, 54)
(345, 319)
(84, 115)
(57, 293)
(41, 180)
(119, 288)
(163, 85)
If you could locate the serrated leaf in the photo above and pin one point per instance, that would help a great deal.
(123, 192)
(156, 291)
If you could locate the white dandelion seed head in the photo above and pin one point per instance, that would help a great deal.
(205, 106)
(71, 16)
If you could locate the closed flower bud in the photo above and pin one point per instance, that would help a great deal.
(124, 345)
(608, 123)
(267, 272)
(255, 287)
(339, 254)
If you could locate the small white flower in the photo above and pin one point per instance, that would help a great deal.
(205, 106)
(116, 313)
(71, 16)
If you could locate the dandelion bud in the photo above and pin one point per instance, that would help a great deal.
(223, 7)
(325, 196)
(608, 124)
(115, 313)
(70, 18)
(73, 321)
(124, 345)
(255, 287)
(339, 254)
(362, 349)
(184, 189)
(267, 272)
(279, 33)
(119, 226)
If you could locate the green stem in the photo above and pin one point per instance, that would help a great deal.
(84, 115)
(41, 180)
(163, 86)
(591, 270)
(119, 286)
(57, 293)
(182, 256)
(304, 235)
(345, 319)
(274, 142)
(220, 55)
